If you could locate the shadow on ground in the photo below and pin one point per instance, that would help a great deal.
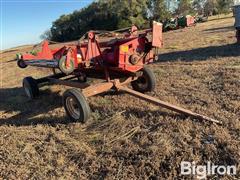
(17, 110)
(220, 29)
(201, 54)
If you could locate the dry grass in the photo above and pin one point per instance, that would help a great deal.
(126, 137)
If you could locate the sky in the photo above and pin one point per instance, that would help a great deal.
(23, 21)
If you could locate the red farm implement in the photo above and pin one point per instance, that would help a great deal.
(117, 61)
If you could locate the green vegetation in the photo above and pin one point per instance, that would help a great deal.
(116, 14)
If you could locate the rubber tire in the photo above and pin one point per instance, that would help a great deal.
(21, 64)
(82, 104)
(150, 79)
(62, 67)
(32, 86)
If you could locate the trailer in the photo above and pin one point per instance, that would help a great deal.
(117, 63)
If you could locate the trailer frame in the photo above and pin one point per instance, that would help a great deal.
(116, 84)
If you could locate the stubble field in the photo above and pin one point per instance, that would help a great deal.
(127, 138)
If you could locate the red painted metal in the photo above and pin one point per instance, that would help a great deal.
(93, 52)
(157, 40)
(128, 54)
(125, 57)
(190, 21)
(46, 53)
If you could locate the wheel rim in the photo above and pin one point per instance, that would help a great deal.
(64, 65)
(73, 107)
(27, 90)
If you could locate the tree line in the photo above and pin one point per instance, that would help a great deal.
(117, 14)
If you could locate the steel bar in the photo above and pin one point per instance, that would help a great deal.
(105, 86)
(97, 89)
(125, 81)
(46, 79)
(68, 83)
(167, 105)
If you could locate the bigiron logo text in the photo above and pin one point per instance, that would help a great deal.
(202, 171)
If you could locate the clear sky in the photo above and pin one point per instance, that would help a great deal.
(23, 21)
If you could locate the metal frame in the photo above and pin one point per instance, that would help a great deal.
(118, 85)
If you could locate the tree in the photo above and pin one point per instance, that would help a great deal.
(223, 6)
(158, 10)
(184, 7)
(198, 6)
(46, 35)
(210, 7)
(115, 14)
(100, 15)
(129, 12)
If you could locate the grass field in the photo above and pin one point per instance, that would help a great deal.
(199, 69)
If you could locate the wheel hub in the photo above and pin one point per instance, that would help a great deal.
(73, 108)
(142, 82)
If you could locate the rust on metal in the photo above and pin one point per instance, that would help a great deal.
(167, 105)
(119, 85)
(97, 89)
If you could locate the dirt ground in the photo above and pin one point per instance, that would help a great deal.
(127, 138)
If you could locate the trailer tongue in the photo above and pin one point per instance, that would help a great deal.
(119, 62)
